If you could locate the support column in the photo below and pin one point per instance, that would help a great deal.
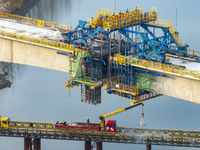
(37, 144)
(148, 146)
(88, 145)
(27, 143)
(99, 145)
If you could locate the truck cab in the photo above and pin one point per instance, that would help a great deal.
(111, 126)
(5, 122)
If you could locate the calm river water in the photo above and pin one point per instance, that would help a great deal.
(39, 94)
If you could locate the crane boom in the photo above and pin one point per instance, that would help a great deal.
(120, 110)
(102, 118)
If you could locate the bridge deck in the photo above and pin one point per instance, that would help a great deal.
(35, 31)
(124, 135)
(163, 68)
(188, 64)
(24, 47)
(50, 33)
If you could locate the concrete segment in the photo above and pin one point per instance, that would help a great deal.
(15, 51)
(29, 54)
(178, 87)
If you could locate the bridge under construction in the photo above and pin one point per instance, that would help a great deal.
(132, 54)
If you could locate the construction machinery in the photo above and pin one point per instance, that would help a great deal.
(124, 48)
(5, 121)
(111, 124)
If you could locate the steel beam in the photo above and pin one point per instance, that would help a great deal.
(140, 136)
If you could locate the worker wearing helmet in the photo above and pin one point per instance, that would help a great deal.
(88, 121)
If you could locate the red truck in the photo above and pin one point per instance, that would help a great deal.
(110, 126)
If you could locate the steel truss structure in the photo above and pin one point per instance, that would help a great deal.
(109, 35)
(125, 135)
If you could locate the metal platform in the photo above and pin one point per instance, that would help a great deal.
(124, 135)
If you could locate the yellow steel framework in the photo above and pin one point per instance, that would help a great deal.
(157, 66)
(101, 13)
(169, 25)
(22, 37)
(122, 88)
(112, 20)
(170, 137)
(103, 117)
(33, 21)
(193, 53)
(143, 98)
(151, 138)
(120, 130)
(61, 46)
(129, 18)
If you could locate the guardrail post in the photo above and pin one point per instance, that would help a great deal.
(99, 145)
(148, 147)
(37, 144)
(88, 145)
(27, 143)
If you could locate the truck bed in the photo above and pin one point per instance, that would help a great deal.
(77, 125)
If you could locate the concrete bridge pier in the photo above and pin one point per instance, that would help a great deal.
(148, 147)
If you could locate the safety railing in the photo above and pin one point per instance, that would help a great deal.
(129, 18)
(119, 86)
(35, 125)
(123, 135)
(33, 21)
(86, 80)
(106, 12)
(121, 130)
(45, 42)
(62, 134)
(101, 13)
(168, 24)
(158, 66)
(143, 97)
(157, 139)
(193, 53)
(171, 132)
(122, 88)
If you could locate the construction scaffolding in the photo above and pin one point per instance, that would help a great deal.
(112, 42)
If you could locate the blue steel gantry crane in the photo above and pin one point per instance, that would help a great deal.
(111, 35)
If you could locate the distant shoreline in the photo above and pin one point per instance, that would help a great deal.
(26, 7)
(18, 7)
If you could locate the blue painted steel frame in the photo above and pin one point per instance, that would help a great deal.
(160, 45)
